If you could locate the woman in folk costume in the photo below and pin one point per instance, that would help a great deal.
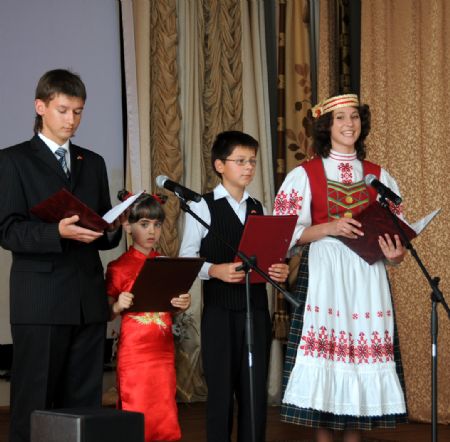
(343, 369)
(146, 380)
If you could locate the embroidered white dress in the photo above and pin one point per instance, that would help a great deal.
(345, 362)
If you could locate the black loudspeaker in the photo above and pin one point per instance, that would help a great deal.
(87, 425)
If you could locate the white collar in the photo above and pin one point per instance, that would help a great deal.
(221, 192)
(339, 156)
(52, 145)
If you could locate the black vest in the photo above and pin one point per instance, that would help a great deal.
(226, 224)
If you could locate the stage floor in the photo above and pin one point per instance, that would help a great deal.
(192, 418)
(192, 425)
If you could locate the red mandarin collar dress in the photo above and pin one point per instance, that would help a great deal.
(146, 379)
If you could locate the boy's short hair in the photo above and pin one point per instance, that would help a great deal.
(57, 81)
(225, 143)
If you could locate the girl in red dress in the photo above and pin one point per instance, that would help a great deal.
(146, 380)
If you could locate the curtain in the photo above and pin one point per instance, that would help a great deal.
(327, 81)
(198, 66)
(293, 102)
(294, 86)
(335, 63)
(256, 121)
(405, 78)
(190, 382)
(153, 114)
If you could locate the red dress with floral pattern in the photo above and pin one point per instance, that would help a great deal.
(146, 380)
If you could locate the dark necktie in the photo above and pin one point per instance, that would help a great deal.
(61, 156)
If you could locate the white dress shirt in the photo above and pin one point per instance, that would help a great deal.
(194, 232)
(54, 146)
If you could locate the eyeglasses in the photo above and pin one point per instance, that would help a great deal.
(241, 161)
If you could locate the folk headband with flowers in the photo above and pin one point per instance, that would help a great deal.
(333, 103)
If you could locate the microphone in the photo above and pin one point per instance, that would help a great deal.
(177, 189)
(382, 189)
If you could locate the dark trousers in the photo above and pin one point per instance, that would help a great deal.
(54, 366)
(225, 364)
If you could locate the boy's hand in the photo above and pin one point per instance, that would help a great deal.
(182, 302)
(227, 272)
(279, 272)
(124, 302)
(69, 230)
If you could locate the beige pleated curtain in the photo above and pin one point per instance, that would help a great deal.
(218, 82)
(405, 55)
(293, 86)
(293, 102)
(193, 69)
(405, 77)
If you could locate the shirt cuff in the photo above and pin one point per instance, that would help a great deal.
(204, 271)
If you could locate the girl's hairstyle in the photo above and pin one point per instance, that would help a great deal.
(146, 206)
(57, 81)
(321, 132)
(225, 143)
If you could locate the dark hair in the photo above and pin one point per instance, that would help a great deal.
(225, 143)
(321, 132)
(57, 81)
(146, 206)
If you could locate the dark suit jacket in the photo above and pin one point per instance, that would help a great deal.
(53, 280)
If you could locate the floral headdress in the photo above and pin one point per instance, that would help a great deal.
(332, 103)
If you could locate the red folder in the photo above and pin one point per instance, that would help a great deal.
(375, 221)
(161, 279)
(267, 237)
(64, 204)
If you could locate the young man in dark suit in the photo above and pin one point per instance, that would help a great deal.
(58, 304)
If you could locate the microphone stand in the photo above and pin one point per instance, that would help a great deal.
(248, 263)
(436, 296)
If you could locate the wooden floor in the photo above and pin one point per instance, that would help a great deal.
(192, 424)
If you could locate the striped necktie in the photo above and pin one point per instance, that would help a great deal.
(61, 156)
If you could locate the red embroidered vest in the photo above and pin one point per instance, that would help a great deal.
(331, 199)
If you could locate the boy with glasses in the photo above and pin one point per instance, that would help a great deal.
(224, 351)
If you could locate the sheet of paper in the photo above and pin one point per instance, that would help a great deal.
(418, 226)
(117, 210)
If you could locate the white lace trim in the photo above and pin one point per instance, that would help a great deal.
(339, 389)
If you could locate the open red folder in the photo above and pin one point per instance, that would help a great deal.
(267, 237)
(376, 221)
(64, 204)
(161, 279)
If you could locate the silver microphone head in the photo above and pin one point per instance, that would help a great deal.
(369, 178)
(160, 180)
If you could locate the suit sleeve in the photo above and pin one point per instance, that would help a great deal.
(109, 240)
(18, 232)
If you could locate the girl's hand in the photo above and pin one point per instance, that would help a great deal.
(124, 302)
(182, 302)
(394, 253)
(347, 227)
(279, 272)
(227, 272)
